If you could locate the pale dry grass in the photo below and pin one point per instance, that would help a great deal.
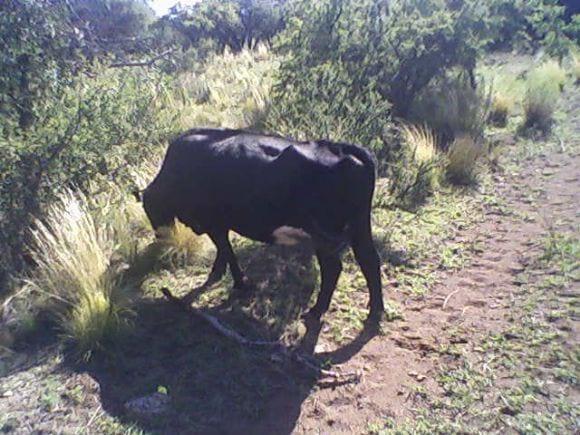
(551, 72)
(463, 160)
(76, 273)
(232, 91)
(421, 140)
(543, 87)
(502, 104)
(180, 245)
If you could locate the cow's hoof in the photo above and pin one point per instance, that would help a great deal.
(244, 285)
(187, 300)
(375, 316)
(311, 316)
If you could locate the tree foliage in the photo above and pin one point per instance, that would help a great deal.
(227, 23)
(529, 24)
(396, 47)
(66, 119)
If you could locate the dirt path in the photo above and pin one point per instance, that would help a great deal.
(462, 307)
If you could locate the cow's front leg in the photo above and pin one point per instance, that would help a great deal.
(241, 282)
(217, 272)
(330, 268)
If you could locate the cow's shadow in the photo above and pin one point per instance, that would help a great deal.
(214, 384)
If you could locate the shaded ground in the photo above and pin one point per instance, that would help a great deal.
(482, 332)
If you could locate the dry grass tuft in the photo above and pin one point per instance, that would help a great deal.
(180, 245)
(416, 170)
(543, 88)
(421, 141)
(550, 72)
(502, 105)
(232, 91)
(77, 276)
(463, 160)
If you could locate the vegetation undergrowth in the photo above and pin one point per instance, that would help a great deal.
(520, 378)
(543, 87)
(87, 108)
(80, 255)
(87, 242)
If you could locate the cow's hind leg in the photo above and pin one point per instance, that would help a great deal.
(367, 257)
(330, 268)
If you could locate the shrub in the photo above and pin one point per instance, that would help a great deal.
(90, 132)
(78, 277)
(453, 108)
(463, 160)
(324, 104)
(528, 25)
(396, 48)
(543, 87)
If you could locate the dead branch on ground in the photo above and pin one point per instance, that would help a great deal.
(280, 351)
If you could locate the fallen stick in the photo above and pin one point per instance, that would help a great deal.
(279, 348)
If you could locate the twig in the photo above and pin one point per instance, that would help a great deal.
(280, 350)
(149, 62)
(96, 414)
(449, 297)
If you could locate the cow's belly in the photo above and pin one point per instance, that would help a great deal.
(272, 234)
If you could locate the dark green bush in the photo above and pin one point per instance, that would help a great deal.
(93, 129)
(396, 48)
(530, 24)
(322, 103)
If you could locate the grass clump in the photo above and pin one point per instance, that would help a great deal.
(501, 106)
(78, 277)
(543, 88)
(415, 172)
(180, 245)
(230, 91)
(421, 141)
(463, 160)
(452, 107)
(552, 72)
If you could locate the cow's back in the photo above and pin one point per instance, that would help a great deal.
(254, 184)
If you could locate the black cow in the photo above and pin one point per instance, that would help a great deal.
(273, 190)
